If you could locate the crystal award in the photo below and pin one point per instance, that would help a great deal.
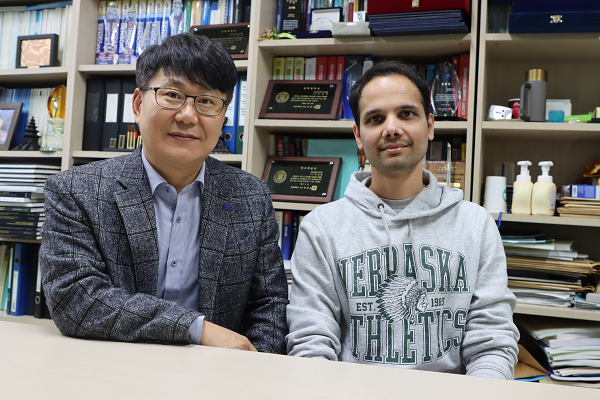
(445, 92)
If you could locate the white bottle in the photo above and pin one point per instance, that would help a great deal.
(543, 199)
(521, 201)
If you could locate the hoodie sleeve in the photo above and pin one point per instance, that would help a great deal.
(490, 340)
(314, 312)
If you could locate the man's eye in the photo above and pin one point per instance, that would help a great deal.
(173, 95)
(407, 114)
(206, 101)
(375, 118)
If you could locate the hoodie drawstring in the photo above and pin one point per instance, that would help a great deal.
(381, 207)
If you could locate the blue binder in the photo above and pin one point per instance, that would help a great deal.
(20, 281)
(550, 22)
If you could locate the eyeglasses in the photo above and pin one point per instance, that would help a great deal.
(175, 99)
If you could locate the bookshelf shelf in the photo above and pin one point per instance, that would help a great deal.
(31, 77)
(543, 47)
(341, 126)
(93, 69)
(283, 205)
(408, 46)
(26, 319)
(540, 219)
(519, 130)
(559, 312)
(225, 158)
(30, 154)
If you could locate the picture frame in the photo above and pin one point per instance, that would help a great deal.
(233, 37)
(37, 51)
(10, 114)
(302, 99)
(302, 179)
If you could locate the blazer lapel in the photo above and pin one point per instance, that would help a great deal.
(136, 206)
(214, 225)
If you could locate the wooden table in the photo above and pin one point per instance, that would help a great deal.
(39, 363)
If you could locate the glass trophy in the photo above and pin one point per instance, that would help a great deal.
(445, 92)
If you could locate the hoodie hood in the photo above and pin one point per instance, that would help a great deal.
(434, 198)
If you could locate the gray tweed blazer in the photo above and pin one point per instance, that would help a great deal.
(99, 257)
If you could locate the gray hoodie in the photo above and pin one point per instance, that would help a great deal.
(438, 297)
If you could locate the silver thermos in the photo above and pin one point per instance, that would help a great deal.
(533, 96)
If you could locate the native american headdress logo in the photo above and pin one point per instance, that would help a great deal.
(401, 298)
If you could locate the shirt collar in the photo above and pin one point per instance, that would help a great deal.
(155, 179)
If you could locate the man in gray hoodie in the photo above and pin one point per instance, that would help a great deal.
(401, 272)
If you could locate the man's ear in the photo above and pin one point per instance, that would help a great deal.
(356, 131)
(137, 104)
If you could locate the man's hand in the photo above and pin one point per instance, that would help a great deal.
(217, 336)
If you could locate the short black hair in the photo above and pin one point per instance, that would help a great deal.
(200, 60)
(386, 68)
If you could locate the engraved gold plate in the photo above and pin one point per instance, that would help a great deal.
(415, 3)
(556, 19)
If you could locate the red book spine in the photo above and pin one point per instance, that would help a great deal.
(279, 146)
(464, 82)
(331, 67)
(321, 68)
(341, 60)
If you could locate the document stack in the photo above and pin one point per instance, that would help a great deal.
(22, 199)
(579, 207)
(568, 349)
(545, 271)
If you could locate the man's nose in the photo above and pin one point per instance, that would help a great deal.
(392, 127)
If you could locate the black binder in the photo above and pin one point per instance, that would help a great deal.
(113, 108)
(126, 112)
(31, 285)
(94, 114)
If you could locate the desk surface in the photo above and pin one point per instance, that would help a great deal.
(39, 363)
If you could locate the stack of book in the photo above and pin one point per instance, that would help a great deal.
(545, 271)
(569, 350)
(22, 199)
(419, 23)
(579, 207)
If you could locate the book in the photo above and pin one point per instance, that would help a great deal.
(321, 68)
(340, 65)
(331, 68)
(463, 108)
(40, 298)
(31, 282)
(310, 68)
(20, 208)
(93, 114)
(299, 68)
(4, 253)
(288, 72)
(278, 68)
(286, 242)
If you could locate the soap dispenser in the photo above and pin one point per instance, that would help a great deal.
(543, 199)
(521, 201)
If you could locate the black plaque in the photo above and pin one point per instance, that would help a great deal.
(233, 37)
(302, 179)
(300, 99)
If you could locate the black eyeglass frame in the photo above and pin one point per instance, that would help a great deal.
(155, 88)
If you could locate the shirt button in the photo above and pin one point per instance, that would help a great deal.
(168, 190)
(178, 219)
(174, 263)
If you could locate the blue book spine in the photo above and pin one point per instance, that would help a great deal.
(8, 283)
(214, 12)
(230, 127)
(165, 18)
(229, 15)
(141, 25)
(278, 9)
(18, 300)
(122, 34)
(22, 97)
(286, 240)
(154, 34)
(205, 19)
(100, 29)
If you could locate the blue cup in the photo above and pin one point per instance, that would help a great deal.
(556, 116)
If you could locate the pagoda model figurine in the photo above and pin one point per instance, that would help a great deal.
(31, 139)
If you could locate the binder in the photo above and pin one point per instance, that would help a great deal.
(126, 117)
(8, 282)
(112, 107)
(40, 298)
(230, 126)
(241, 117)
(21, 260)
(31, 282)
(286, 243)
(93, 116)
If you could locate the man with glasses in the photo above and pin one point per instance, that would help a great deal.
(167, 244)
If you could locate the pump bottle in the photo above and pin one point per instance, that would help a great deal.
(543, 199)
(521, 201)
